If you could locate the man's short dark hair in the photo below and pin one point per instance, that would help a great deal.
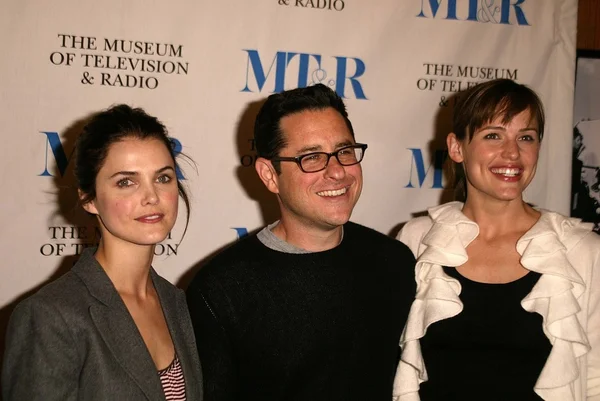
(268, 137)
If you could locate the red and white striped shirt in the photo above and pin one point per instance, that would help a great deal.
(172, 381)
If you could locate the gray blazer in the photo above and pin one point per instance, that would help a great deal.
(75, 340)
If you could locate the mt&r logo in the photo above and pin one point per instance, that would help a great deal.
(427, 174)
(56, 151)
(507, 12)
(289, 70)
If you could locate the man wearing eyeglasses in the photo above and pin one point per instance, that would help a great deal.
(312, 307)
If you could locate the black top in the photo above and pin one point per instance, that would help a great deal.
(492, 350)
(318, 326)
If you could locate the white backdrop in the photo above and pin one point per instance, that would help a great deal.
(202, 66)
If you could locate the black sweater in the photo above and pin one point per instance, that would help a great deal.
(317, 326)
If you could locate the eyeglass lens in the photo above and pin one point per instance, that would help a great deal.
(346, 157)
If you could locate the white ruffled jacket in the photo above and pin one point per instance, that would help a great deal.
(567, 296)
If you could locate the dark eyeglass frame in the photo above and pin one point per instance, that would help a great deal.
(298, 159)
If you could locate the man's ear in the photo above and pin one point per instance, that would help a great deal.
(455, 150)
(88, 206)
(267, 174)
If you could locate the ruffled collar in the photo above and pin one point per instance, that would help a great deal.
(543, 249)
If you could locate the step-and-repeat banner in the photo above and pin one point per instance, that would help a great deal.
(203, 67)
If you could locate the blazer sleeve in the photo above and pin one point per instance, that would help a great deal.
(214, 348)
(593, 331)
(41, 360)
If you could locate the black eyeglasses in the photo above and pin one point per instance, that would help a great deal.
(317, 161)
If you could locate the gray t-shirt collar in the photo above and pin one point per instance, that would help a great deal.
(272, 241)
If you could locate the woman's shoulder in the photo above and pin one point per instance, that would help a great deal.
(68, 288)
(572, 231)
(157, 278)
(418, 225)
(581, 244)
(61, 301)
(71, 294)
(413, 231)
(449, 213)
(590, 243)
(165, 287)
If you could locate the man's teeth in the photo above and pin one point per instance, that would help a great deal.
(332, 193)
(511, 172)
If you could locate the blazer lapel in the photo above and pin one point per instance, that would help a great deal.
(117, 328)
(176, 316)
